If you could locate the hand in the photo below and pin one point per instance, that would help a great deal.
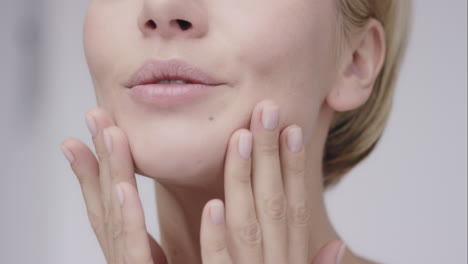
(267, 218)
(120, 230)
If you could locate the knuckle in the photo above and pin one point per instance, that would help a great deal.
(217, 246)
(250, 233)
(268, 147)
(107, 215)
(300, 215)
(275, 207)
(96, 223)
(101, 153)
(106, 206)
(117, 231)
(296, 169)
(243, 177)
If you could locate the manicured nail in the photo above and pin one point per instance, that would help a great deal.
(339, 257)
(91, 123)
(120, 194)
(217, 212)
(295, 139)
(68, 154)
(245, 145)
(270, 115)
(107, 141)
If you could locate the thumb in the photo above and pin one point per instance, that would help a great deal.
(331, 253)
(156, 251)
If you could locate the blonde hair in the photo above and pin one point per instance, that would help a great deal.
(354, 134)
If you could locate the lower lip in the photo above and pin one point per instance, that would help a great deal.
(164, 95)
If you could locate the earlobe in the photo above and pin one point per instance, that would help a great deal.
(345, 98)
(361, 65)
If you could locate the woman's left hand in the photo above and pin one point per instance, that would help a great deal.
(267, 218)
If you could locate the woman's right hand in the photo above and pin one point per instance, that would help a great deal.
(119, 227)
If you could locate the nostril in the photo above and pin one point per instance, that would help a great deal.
(183, 24)
(151, 24)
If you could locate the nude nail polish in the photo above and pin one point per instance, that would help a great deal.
(91, 124)
(270, 117)
(107, 141)
(217, 212)
(245, 145)
(295, 139)
(68, 154)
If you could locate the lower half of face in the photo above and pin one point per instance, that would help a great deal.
(262, 49)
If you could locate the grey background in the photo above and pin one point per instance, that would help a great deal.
(407, 203)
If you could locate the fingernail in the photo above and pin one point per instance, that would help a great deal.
(217, 212)
(295, 139)
(68, 154)
(91, 123)
(107, 141)
(340, 255)
(270, 115)
(120, 194)
(245, 145)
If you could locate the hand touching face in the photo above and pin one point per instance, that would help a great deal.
(265, 218)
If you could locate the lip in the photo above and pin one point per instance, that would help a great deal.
(144, 87)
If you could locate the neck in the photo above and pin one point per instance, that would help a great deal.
(180, 211)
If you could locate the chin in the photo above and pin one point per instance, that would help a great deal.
(185, 160)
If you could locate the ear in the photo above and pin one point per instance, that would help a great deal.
(359, 68)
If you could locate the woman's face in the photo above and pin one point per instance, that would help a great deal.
(281, 50)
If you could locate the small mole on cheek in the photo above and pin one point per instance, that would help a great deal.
(211, 118)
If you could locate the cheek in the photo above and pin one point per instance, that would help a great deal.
(96, 40)
(290, 39)
(287, 55)
(107, 39)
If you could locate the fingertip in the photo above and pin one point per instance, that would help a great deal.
(101, 117)
(217, 212)
(332, 252)
(213, 233)
(341, 251)
(67, 153)
(118, 135)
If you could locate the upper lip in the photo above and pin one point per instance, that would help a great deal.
(153, 71)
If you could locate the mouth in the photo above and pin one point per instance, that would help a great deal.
(171, 82)
(172, 71)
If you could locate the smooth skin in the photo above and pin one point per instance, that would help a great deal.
(264, 219)
(284, 51)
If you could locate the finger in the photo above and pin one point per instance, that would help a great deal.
(86, 169)
(137, 247)
(331, 253)
(156, 251)
(241, 217)
(299, 215)
(97, 120)
(121, 170)
(213, 234)
(120, 159)
(267, 182)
